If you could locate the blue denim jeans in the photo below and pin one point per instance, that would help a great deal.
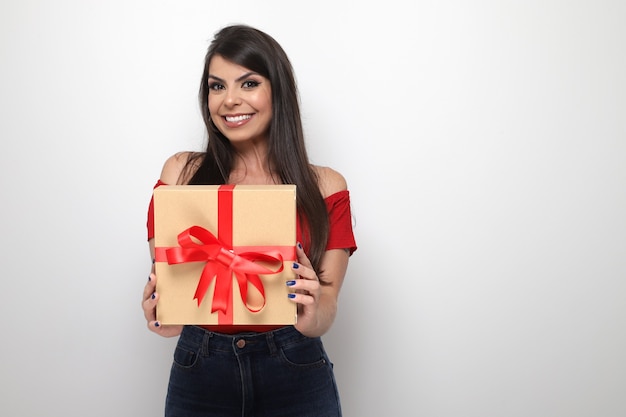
(279, 373)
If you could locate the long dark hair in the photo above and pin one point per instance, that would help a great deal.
(259, 52)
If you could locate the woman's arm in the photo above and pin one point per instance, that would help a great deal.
(169, 175)
(317, 303)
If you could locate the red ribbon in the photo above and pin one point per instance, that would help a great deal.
(197, 244)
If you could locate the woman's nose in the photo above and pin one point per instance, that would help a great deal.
(232, 98)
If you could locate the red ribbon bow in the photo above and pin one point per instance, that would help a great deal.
(221, 263)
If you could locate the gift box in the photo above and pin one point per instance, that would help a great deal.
(223, 254)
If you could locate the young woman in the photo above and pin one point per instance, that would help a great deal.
(250, 105)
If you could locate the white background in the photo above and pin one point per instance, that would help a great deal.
(484, 144)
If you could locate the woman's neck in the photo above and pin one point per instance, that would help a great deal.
(252, 168)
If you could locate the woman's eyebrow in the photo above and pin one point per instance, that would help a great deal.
(243, 77)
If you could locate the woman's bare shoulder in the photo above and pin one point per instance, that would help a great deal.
(175, 165)
(330, 180)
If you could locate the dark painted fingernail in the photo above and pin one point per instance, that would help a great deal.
(299, 245)
(291, 295)
(149, 278)
(153, 260)
(290, 283)
(295, 266)
(153, 296)
(157, 324)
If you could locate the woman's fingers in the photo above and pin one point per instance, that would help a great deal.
(149, 303)
(150, 297)
(150, 286)
(306, 285)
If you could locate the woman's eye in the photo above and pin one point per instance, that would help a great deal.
(250, 84)
(216, 86)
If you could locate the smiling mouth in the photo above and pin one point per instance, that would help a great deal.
(235, 119)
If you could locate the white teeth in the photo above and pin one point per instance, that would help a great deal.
(238, 118)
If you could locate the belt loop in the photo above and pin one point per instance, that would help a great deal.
(271, 344)
(206, 338)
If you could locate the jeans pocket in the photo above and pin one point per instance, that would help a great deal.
(184, 357)
(308, 353)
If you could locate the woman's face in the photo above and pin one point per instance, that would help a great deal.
(240, 101)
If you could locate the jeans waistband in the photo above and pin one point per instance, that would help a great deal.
(242, 342)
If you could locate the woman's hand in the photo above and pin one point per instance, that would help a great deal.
(149, 302)
(317, 303)
(307, 293)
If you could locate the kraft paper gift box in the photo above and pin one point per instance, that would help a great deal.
(223, 254)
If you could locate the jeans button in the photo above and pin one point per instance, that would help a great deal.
(241, 343)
